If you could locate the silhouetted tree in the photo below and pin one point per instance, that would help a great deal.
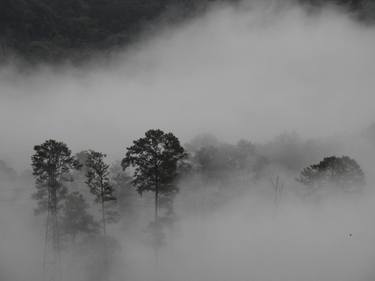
(155, 159)
(98, 181)
(341, 171)
(52, 164)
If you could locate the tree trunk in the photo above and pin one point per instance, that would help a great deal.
(156, 202)
(103, 213)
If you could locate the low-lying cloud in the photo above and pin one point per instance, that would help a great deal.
(251, 73)
(248, 72)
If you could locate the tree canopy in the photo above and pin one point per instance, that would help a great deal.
(342, 171)
(52, 164)
(75, 29)
(98, 180)
(155, 159)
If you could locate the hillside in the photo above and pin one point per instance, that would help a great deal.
(54, 30)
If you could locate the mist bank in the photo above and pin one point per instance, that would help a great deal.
(249, 73)
(256, 74)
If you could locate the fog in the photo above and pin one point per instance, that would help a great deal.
(232, 72)
(246, 72)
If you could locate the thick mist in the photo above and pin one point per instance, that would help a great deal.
(247, 72)
(237, 73)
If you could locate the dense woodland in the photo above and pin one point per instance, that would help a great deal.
(53, 30)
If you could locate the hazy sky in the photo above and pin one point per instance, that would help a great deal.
(250, 73)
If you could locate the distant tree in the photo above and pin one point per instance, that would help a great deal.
(340, 171)
(278, 187)
(52, 164)
(98, 180)
(75, 218)
(224, 162)
(200, 141)
(82, 158)
(126, 196)
(6, 172)
(155, 159)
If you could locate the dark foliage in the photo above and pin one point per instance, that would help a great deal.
(98, 176)
(99, 182)
(340, 171)
(156, 159)
(55, 30)
(52, 164)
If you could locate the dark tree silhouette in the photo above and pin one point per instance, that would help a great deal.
(155, 159)
(52, 164)
(98, 181)
(341, 171)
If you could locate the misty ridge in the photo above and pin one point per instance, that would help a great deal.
(236, 141)
(52, 31)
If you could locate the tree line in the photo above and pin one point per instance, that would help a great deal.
(155, 163)
(76, 29)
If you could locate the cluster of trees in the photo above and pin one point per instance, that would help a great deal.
(54, 29)
(155, 163)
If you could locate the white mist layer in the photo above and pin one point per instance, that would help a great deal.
(249, 73)
(250, 240)
(234, 73)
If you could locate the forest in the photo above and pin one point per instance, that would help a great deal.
(76, 30)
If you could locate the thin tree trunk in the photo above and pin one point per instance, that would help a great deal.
(156, 199)
(103, 214)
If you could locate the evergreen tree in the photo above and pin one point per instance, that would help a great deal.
(155, 159)
(99, 182)
(52, 164)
